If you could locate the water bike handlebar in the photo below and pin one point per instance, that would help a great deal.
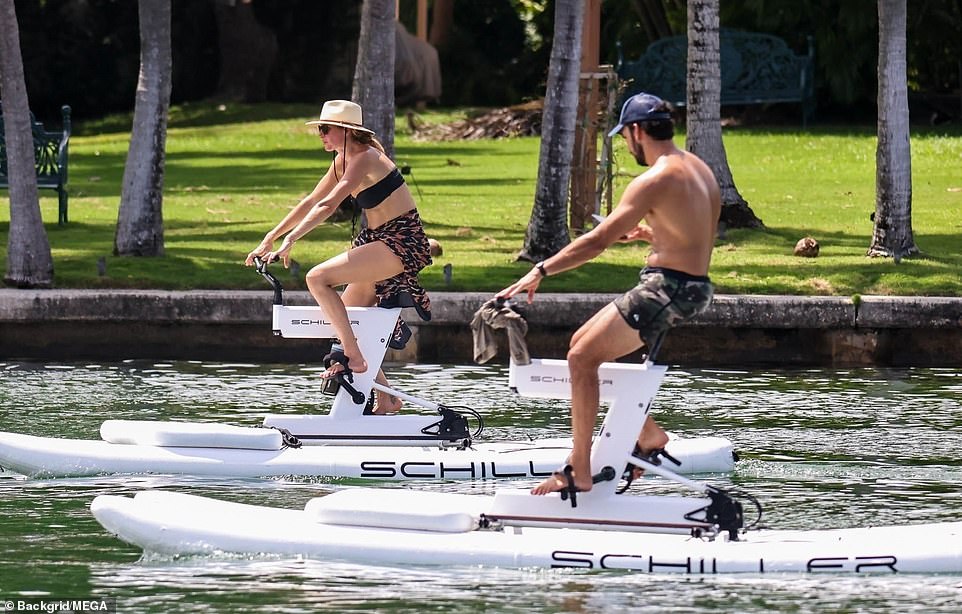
(260, 266)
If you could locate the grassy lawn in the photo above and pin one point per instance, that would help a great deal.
(232, 174)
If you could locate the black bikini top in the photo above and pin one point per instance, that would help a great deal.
(373, 196)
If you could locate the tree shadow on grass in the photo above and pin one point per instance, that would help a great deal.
(201, 114)
(274, 170)
(842, 267)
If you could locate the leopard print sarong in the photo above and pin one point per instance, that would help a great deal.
(404, 235)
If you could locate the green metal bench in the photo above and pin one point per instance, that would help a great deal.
(50, 154)
(755, 69)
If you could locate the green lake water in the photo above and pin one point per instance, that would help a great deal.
(820, 449)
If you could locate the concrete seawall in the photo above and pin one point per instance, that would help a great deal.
(236, 325)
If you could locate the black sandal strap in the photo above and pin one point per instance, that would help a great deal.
(570, 491)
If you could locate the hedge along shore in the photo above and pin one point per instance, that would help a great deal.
(227, 325)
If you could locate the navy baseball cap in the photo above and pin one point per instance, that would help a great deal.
(639, 108)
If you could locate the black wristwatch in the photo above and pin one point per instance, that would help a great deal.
(540, 267)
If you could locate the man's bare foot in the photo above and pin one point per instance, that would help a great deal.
(387, 404)
(652, 437)
(558, 481)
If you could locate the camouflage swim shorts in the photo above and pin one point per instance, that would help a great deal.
(663, 299)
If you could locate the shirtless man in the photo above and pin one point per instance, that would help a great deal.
(679, 199)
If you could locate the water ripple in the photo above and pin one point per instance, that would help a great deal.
(820, 448)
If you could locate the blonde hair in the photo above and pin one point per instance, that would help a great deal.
(358, 136)
(366, 138)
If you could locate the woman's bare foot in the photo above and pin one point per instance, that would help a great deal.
(387, 404)
(355, 365)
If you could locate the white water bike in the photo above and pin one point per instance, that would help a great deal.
(348, 441)
(604, 528)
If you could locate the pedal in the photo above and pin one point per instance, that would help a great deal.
(654, 457)
(331, 386)
(606, 474)
(663, 452)
(570, 490)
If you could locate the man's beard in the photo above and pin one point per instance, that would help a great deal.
(638, 152)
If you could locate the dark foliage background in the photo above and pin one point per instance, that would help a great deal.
(85, 53)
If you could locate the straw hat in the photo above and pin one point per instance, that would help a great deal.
(342, 113)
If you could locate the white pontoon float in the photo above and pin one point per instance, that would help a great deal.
(600, 529)
(346, 442)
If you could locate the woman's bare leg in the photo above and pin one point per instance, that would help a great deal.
(362, 265)
(362, 295)
(386, 403)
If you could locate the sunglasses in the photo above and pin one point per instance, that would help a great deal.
(323, 129)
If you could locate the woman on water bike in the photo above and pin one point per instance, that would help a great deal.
(382, 265)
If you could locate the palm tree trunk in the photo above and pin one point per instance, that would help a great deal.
(547, 229)
(374, 73)
(892, 235)
(704, 110)
(29, 262)
(140, 221)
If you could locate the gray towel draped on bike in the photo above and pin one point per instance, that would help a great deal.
(493, 315)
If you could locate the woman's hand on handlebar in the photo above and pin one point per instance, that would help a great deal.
(283, 253)
(261, 251)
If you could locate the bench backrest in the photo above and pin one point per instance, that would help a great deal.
(755, 68)
(50, 149)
